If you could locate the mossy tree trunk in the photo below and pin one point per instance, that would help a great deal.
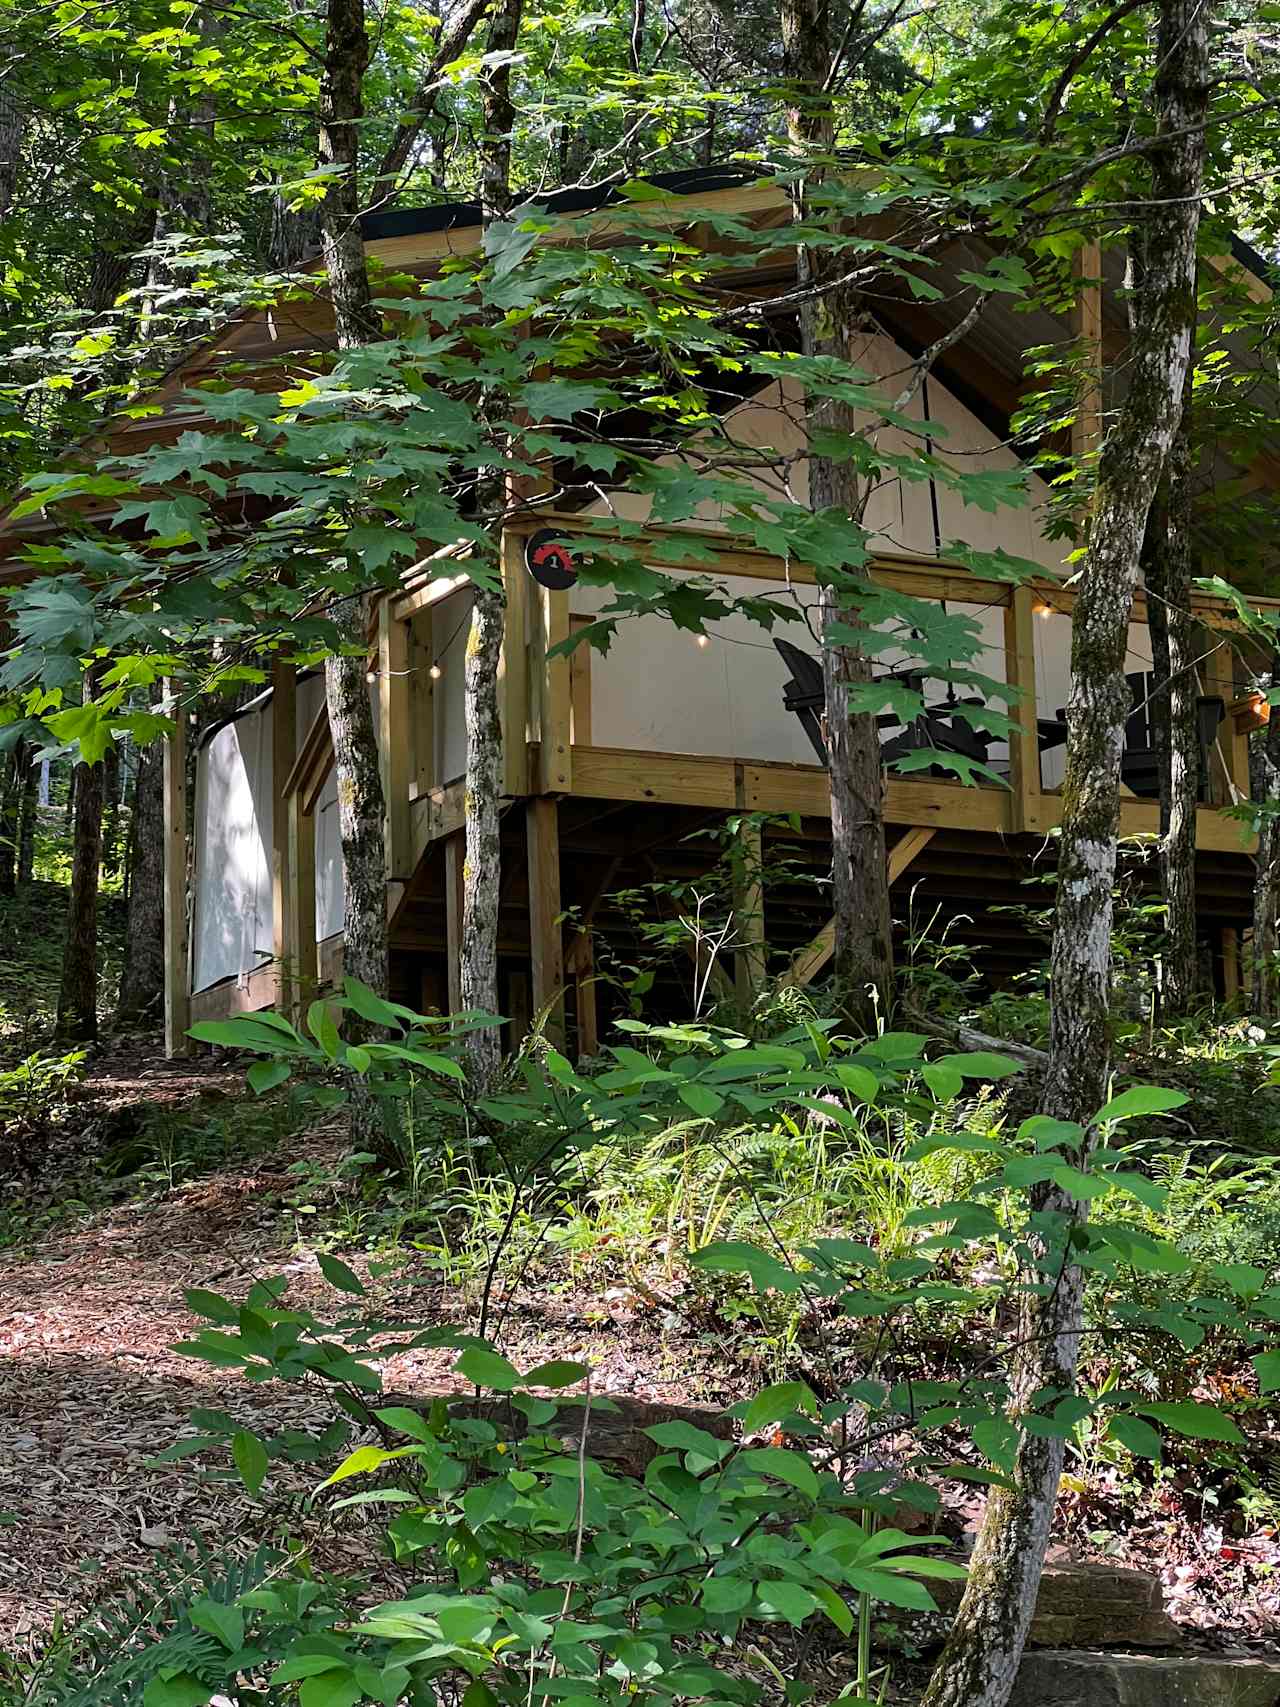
(829, 323)
(142, 971)
(361, 804)
(478, 971)
(1265, 992)
(27, 822)
(77, 1020)
(1168, 567)
(10, 817)
(979, 1663)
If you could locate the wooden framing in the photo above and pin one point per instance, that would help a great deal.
(300, 918)
(177, 852)
(1086, 325)
(395, 725)
(1020, 672)
(546, 949)
(455, 856)
(284, 752)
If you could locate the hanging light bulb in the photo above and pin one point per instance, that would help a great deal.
(1041, 609)
(371, 675)
(704, 640)
(435, 672)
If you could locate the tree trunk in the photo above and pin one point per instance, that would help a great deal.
(77, 1020)
(1168, 566)
(10, 812)
(12, 131)
(361, 806)
(142, 974)
(980, 1661)
(863, 955)
(478, 971)
(27, 823)
(1266, 881)
(112, 786)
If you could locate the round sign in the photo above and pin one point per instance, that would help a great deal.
(549, 557)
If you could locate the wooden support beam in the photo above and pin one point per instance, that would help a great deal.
(455, 855)
(395, 749)
(555, 744)
(806, 965)
(1232, 741)
(1020, 672)
(513, 666)
(1231, 985)
(284, 753)
(1086, 325)
(177, 968)
(300, 931)
(542, 819)
(422, 705)
(580, 687)
(584, 997)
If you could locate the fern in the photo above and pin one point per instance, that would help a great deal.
(108, 1660)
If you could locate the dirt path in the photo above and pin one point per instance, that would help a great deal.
(91, 1388)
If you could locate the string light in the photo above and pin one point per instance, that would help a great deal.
(435, 672)
(704, 640)
(371, 675)
(1041, 609)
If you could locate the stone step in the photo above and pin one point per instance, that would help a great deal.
(1070, 1678)
(1082, 1605)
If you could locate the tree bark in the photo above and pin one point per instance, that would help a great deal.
(10, 813)
(142, 973)
(1168, 567)
(13, 127)
(27, 823)
(863, 952)
(391, 181)
(980, 1660)
(77, 1020)
(1266, 883)
(478, 970)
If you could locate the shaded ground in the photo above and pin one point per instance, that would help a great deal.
(91, 1389)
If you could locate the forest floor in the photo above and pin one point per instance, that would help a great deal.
(91, 1387)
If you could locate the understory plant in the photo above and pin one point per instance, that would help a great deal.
(511, 1563)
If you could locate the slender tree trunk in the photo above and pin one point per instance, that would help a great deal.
(142, 974)
(478, 972)
(112, 778)
(69, 804)
(1168, 566)
(78, 995)
(1266, 882)
(361, 806)
(828, 324)
(10, 813)
(980, 1661)
(12, 131)
(27, 823)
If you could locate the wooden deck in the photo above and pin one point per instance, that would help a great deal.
(559, 782)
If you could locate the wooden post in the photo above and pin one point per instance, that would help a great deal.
(422, 702)
(513, 667)
(1232, 743)
(583, 969)
(177, 970)
(1230, 962)
(1086, 325)
(455, 854)
(394, 741)
(300, 935)
(556, 750)
(284, 751)
(542, 818)
(580, 687)
(1024, 742)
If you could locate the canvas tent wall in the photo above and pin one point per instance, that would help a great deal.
(232, 923)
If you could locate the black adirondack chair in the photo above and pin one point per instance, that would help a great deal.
(1140, 762)
(937, 726)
